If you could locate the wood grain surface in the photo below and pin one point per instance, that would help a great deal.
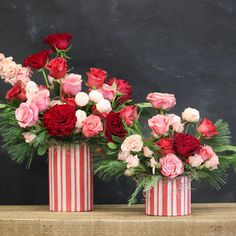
(109, 220)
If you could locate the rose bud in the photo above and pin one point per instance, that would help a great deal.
(104, 106)
(95, 96)
(96, 77)
(57, 67)
(207, 129)
(81, 99)
(129, 114)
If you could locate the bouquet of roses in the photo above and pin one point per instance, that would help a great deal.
(198, 149)
(38, 115)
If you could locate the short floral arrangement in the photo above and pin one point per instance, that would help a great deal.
(175, 147)
(38, 115)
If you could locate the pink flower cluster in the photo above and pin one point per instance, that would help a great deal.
(13, 73)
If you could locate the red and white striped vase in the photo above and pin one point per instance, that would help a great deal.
(70, 178)
(169, 197)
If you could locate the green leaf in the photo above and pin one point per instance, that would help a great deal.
(42, 149)
(225, 148)
(116, 139)
(142, 105)
(2, 106)
(112, 146)
(56, 87)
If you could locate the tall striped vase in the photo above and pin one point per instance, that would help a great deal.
(169, 198)
(70, 178)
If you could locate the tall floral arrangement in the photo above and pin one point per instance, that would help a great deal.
(46, 104)
(176, 146)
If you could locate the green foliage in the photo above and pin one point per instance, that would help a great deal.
(227, 161)
(108, 170)
(13, 140)
(145, 183)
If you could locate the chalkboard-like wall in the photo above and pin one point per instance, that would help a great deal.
(182, 47)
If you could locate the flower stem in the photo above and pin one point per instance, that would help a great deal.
(61, 89)
(46, 80)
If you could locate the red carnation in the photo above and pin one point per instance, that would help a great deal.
(38, 60)
(166, 145)
(57, 67)
(114, 126)
(58, 41)
(186, 145)
(122, 87)
(16, 92)
(60, 120)
(207, 128)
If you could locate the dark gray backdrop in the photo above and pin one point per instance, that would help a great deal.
(176, 46)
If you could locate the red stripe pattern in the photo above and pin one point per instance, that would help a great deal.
(169, 198)
(70, 178)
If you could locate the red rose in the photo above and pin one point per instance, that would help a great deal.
(16, 92)
(96, 77)
(58, 41)
(70, 101)
(38, 60)
(60, 120)
(185, 144)
(114, 126)
(129, 114)
(123, 87)
(166, 145)
(57, 67)
(207, 128)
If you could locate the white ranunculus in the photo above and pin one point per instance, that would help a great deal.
(95, 96)
(31, 88)
(191, 115)
(104, 106)
(81, 99)
(132, 143)
(81, 116)
(147, 152)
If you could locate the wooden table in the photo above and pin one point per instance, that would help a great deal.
(110, 220)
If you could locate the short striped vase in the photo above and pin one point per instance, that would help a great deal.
(169, 198)
(70, 178)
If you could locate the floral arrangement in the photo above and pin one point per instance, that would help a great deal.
(174, 147)
(39, 114)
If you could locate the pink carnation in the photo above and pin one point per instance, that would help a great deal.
(41, 99)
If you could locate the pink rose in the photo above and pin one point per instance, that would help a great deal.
(132, 161)
(29, 137)
(72, 83)
(41, 99)
(195, 160)
(161, 100)
(206, 152)
(212, 163)
(160, 124)
(96, 77)
(26, 114)
(107, 91)
(171, 166)
(92, 125)
(129, 114)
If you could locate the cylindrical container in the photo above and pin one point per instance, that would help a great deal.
(70, 178)
(169, 197)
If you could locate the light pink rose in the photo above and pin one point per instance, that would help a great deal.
(195, 160)
(206, 152)
(171, 166)
(122, 156)
(147, 152)
(72, 83)
(26, 114)
(212, 163)
(160, 124)
(107, 91)
(29, 137)
(161, 100)
(92, 126)
(175, 123)
(132, 143)
(132, 161)
(41, 99)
